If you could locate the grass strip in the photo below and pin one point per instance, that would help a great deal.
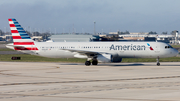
(33, 58)
(175, 46)
(6, 49)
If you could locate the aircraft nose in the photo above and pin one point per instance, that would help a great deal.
(176, 52)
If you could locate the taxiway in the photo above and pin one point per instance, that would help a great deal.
(38, 81)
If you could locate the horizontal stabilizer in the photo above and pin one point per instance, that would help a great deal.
(16, 47)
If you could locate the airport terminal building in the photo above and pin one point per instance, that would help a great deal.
(115, 37)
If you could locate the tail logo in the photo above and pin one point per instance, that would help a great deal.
(20, 37)
(150, 46)
(17, 30)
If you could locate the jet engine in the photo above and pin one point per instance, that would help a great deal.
(109, 58)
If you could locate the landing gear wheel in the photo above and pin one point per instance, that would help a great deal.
(87, 63)
(94, 62)
(158, 64)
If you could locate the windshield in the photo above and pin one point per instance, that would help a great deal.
(168, 46)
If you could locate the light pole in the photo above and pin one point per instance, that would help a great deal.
(55, 31)
(94, 27)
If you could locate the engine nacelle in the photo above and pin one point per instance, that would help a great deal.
(109, 58)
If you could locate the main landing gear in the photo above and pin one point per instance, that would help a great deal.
(94, 62)
(158, 64)
(87, 63)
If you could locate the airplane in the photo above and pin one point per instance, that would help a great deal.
(106, 52)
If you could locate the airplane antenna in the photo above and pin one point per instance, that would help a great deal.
(55, 31)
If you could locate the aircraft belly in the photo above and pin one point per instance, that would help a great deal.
(132, 54)
(64, 54)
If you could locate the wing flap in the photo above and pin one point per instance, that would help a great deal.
(85, 52)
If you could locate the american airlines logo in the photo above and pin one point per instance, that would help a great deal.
(150, 46)
(128, 47)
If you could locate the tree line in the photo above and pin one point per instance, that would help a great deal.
(45, 34)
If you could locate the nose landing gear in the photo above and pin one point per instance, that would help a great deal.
(158, 64)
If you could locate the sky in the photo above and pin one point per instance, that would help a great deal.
(79, 15)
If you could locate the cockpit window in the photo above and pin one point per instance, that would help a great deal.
(168, 47)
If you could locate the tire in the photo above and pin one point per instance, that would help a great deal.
(87, 63)
(94, 62)
(158, 64)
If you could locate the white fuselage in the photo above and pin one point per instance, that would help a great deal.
(122, 49)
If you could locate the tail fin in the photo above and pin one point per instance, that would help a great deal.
(20, 37)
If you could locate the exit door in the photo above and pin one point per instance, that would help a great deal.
(157, 48)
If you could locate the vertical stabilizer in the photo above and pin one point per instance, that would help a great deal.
(20, 37)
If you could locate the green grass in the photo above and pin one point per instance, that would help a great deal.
(6, 49)
(33, 58)
(175, 46)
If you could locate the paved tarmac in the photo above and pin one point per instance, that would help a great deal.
(2, 46)
(37, 81)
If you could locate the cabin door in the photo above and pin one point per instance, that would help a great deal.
(157, 48)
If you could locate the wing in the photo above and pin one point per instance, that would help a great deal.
(85, 52)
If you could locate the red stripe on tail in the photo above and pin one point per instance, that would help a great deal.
(10, 19)
(12, 25)
(16, 37)
(14, 31)
(23, 43)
